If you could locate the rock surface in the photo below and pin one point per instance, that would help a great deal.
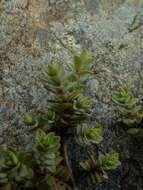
(32, 32)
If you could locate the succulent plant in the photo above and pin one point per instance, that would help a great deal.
(95, 168)
(128, 106)
(46, 165)
(40, 120)
(46, 151)
(59, 179)
(66, 87)
(86, 134)
(13, 168)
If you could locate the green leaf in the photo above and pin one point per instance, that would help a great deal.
(82, 62)
(86, 135)
(55, 184)
(13, 168)
(82, 102)
(131, 113)
(110, 160)
(29, 118)
(95, 169)
(3, 178)
(86, 57)
(46, 150)
(53, 69)
(77, 63)
(136, 132)
(72, 77)
(62, 173)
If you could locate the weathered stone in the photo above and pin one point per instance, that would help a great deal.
(1, 140)
(31, 33)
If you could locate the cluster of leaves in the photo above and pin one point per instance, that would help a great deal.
(66, 87)
(47, 165)
(86, 134)
(39, 168)
(46, 150)
(130, 110)
(13, 168)
(67, 105)
(96, 168)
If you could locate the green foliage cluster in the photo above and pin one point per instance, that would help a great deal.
(14, 168)
(130, 110)
(46, 165)
(46, 150)
(66, 87)
(38, 168)
(86, 134)
(96, 167)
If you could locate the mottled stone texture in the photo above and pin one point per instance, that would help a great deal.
(34, 31)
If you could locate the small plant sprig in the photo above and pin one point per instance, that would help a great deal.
(96, 167)
(47, 165)
(14, 168)
(46, 150)
(88, 135)
(39, 168)
(130, 111)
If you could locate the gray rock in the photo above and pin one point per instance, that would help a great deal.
(31, 33)
(1, 140)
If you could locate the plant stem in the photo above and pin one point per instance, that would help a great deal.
(68, 166)
(62, 44)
